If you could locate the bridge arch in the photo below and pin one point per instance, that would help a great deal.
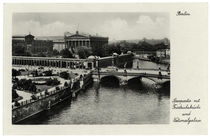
(110, 80)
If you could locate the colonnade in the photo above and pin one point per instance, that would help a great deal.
(79, 42)
(53, 62)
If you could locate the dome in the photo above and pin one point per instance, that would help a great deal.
(115, 54)
(91, 57)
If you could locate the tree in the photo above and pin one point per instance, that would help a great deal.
(18, 50)
(83, 52)
(99, 50)
(41, 54)
(55, 53)
(113, 48)
(15, 73)
(26, 85)
(32, 88)
(65, 53)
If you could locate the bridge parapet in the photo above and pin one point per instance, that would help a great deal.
(123, 76)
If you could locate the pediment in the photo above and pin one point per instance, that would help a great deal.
(77, 36)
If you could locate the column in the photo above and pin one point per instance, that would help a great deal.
(57, 64)
(60, 63)
(88, 44)
(70, 44)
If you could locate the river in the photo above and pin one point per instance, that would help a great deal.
(137, 103)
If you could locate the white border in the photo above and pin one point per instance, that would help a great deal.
(78, 1)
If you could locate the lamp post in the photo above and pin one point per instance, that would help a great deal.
(97, 64)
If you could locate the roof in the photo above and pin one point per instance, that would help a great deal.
(49, 37)
(59, 41)
(29, 35)
(83, 35)
(18, 38)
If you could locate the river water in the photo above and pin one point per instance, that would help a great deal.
(137, 103)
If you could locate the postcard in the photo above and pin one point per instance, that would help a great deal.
(114, 68)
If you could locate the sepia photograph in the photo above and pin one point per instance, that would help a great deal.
(90, 68)
(105, 69)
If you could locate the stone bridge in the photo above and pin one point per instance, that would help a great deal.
(156, 75)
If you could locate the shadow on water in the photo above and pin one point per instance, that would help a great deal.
(139, 85)
(135, 84)
(47, 114)
(165, 89)
(110, 81)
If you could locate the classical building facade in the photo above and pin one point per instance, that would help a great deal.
(59, 44)
(31, 45)
(76, 40)
(42, 46)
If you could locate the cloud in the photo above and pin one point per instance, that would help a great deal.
(142, 20)
(113, 28)
(143, 27)
(51, 29)
(118, 28)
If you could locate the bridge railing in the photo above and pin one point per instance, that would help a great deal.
(147, 69)
(140, 69)
(142, 74)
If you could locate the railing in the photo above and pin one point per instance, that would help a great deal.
(133, 74)
(41, 96)
(134, 69)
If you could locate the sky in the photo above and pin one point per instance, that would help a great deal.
(116, 26)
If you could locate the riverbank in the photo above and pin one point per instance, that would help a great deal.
(43, 101)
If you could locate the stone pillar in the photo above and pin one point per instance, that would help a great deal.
(82, 43)
(88, 43)
(92, 65)
(66, 64)
(97, 63)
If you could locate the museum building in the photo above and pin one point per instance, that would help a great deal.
(76, 40)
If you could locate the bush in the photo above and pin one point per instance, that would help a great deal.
(64, 75)
(14, 94)
(15, 72)
(52, 82)
(65, 53)
(34, 73)
(26, 85)
(48, 73)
